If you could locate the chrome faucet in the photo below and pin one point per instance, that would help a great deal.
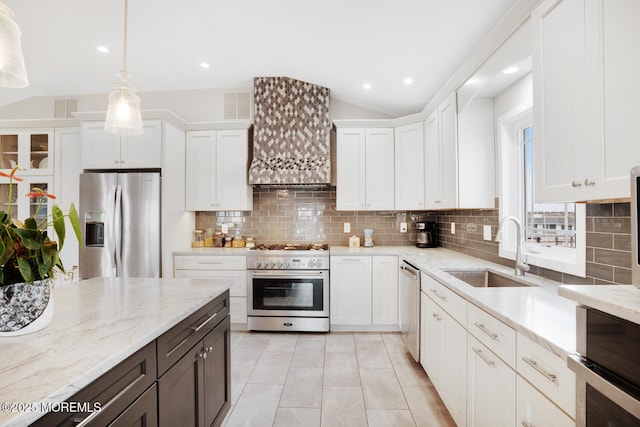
(521, 266)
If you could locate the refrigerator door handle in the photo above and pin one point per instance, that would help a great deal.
(109, 243)
(118, 228)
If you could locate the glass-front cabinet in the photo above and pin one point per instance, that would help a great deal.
(29, 149)
(21, 207)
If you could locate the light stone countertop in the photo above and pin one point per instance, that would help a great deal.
(537, 312)
(96, 324)
(618, 300)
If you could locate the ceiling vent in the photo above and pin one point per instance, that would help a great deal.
(64, 107)
(237, 106)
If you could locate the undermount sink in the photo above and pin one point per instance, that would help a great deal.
(486, 279)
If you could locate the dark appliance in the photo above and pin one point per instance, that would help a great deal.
(288, 288)
(427, 236)
(607, 370)
(635, 226)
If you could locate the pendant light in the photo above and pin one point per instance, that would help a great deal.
(12, 70)
(123, 114)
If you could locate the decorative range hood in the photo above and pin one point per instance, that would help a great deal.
(291, 132)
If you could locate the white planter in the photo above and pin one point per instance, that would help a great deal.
(25, 308)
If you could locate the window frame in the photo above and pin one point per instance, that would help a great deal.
(511, 201)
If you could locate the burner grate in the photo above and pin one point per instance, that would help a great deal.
(292, 247)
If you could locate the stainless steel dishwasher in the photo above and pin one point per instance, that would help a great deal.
(410, 308)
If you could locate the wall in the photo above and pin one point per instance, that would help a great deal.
(307, 216)
(608, 237)
(203, 105)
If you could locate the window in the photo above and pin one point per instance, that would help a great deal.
(554, 233)
(547, 224)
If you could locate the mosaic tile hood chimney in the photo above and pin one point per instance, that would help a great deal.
(291, 132)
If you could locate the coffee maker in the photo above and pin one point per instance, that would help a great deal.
(427, 236)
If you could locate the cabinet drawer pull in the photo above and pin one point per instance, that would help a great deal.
(486, 330)
(209, 262)
(202, 325)
(589, 183)
(534, 364)
(527, 424)
(483, 357)
(435, 292)
(576, 184)
(435, 316)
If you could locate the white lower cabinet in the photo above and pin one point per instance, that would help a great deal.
(491, 388)
(230, 267)
(443, 350)
(548, 373)
(364, 290)
(384, 290)
(475, 361)
(533, 409)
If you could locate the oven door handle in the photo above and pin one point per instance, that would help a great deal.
(270, 274)
(580, 366)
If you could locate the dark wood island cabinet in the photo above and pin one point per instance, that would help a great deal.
(181, 378)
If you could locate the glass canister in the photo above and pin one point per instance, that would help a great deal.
(218, 240)
(208, 238)
(227, 241)
(250, 243)
(238, 242)
(197, 239)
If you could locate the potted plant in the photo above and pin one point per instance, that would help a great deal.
(29, 259)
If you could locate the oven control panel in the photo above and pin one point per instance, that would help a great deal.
(288, 263)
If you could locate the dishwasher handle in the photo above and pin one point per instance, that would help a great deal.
(410, 271)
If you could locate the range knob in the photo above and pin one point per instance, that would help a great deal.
(258, 264)
(285, 264)
(311, 263)
(272, 264)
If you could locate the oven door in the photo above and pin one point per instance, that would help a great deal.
(603, 398)
(607, 370)
(288, 293)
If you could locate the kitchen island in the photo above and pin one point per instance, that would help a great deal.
(99, 325)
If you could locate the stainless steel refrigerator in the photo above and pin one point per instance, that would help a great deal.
(120, 219)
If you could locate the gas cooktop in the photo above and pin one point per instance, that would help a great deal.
(292, 247)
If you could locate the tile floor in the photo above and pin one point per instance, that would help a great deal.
(329, 380)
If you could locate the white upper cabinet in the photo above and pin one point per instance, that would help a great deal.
(459, 156)
(365, 169)
(103, 150)
(441, 156)
(29, 149)
(476, 155)
(409, 167)
(585, 63)
(216, 164)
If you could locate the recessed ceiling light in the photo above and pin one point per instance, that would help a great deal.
(367, 86)
(510, 70)
(407, 81)
(103, 49)
(205, 65)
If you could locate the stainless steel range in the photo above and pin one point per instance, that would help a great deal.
(288, 288)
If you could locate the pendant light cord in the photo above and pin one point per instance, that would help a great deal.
(124, 50)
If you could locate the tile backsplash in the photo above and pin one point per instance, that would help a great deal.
(608, 241)
(298, 215)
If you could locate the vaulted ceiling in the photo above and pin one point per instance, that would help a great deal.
(340, 44)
